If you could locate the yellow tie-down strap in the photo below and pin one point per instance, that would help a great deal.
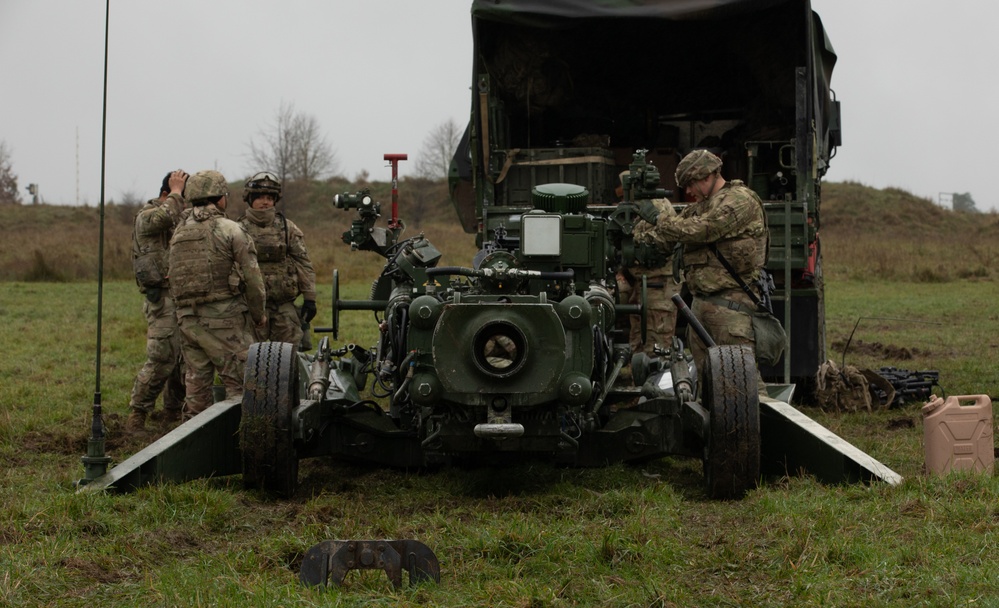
(568, 160)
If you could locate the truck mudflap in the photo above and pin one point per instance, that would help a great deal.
(329, 561)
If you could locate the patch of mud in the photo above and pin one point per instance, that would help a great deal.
(54, 442)
(886, 352)
(91, 570)
(896, 424)
(74, 442)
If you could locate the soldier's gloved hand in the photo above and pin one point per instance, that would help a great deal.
(648, 211)
(153, 294)
(308, 310)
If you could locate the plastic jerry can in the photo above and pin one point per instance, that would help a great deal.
(957, 434)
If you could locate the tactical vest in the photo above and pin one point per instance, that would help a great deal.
(149, 256)
(276, 266)
(199, 272)
(746, 253)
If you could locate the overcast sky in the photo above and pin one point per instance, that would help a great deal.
(191, 82)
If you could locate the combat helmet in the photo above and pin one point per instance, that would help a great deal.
(696, 165)
(205, 185)
(264, 182)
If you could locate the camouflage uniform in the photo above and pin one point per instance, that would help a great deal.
(660, 310)
(218, 288)
(732, 220)
(287, 269)
(163, 370)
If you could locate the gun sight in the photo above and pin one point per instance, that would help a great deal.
(361, 201)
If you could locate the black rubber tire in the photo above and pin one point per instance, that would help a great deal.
(732, 448)
(266, 436)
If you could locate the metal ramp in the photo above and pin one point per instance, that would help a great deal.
(208, 446)
(791, 442)
(204, 446)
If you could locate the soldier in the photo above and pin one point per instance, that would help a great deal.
(283, 258)
(218, 288)
(163, 370)
(727, 219)
(660, 310)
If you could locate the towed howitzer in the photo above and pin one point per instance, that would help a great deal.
(517, 355)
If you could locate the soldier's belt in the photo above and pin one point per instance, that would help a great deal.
(730, 304)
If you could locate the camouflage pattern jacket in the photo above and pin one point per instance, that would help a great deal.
(281, 253)
(732, 220)
(151, 232)
(646, 234)
(212, 261)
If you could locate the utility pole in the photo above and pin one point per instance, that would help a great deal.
(77, 201)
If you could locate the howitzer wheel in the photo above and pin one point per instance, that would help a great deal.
(266, 436)
(732, 447)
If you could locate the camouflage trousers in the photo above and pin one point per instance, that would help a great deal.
(725, 326)
(210, 345)
(163, 371)
(283, 324)
(660, 313)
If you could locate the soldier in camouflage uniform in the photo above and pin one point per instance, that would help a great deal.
(660, 286)
(163, 370)
(283, 258)
(727, 216)
(218, 289)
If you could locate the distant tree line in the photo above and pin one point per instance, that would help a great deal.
(295, 149)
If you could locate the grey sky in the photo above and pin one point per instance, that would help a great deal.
(191, 82)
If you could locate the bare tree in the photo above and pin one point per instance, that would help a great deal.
(312, 158)
(293, 147)
(8, 179)
(438, 149)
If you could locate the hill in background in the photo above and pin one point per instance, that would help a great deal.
(890, 234)
(865, 233)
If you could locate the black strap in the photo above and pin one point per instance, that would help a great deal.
(735, 275)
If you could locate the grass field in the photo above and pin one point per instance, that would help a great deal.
(526, 536)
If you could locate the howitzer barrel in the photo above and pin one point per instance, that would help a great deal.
(361, 304)
(689, 316)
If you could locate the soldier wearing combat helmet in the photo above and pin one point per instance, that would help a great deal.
(726, 219)
(163, 371)
(283, 258)
(218, 290)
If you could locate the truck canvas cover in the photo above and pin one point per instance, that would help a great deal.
(636, 74)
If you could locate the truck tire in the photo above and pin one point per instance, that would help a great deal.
(266, 436)
(732, 448)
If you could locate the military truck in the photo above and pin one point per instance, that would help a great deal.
(567, 91)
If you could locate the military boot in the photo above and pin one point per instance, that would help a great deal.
(136, 422)
(170, 416)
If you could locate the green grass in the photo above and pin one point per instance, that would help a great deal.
(525, 536)
(919, 281)
(949, 327)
